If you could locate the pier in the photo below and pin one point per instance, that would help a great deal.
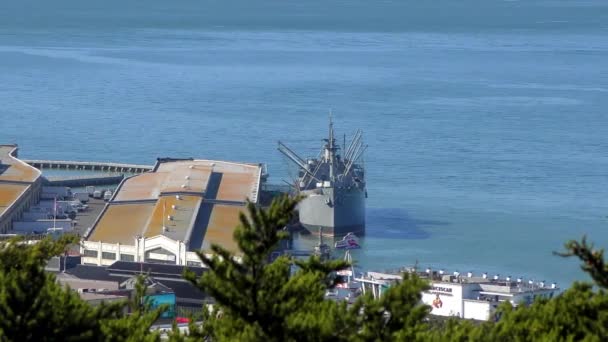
(82, 181)
(88, 166)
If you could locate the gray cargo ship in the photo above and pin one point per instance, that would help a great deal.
(334, 186)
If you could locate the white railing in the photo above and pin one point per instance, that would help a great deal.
(88, 163)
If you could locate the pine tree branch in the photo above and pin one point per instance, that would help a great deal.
(593, 260)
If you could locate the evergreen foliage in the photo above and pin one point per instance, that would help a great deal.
(593, 260)
(34, 307)
(135, 326)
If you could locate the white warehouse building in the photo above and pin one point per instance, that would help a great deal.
(163, 216)
(469, 297)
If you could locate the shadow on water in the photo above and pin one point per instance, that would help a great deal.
(396, 223)
(381, 223)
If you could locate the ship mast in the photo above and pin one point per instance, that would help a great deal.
(330, 150)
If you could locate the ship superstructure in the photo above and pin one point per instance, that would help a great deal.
(333, 185)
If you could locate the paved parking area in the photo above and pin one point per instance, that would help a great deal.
(85, 219)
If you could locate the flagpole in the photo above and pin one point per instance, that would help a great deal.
(55, 215)
(164, 205)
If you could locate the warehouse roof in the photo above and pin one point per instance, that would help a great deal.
(13, 169)
(15, 177)
(195, 201)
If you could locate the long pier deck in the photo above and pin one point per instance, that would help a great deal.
(81, 181)
(89, 166)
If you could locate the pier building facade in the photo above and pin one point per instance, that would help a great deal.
(465, 296)
(164, 215)
(20, 186)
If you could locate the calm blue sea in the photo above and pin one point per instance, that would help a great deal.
(487, 120)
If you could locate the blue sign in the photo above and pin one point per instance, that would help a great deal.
(163, 298)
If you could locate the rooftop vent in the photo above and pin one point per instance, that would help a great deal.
(178, 197)
(187, 177)
(484, 275)
(173, 206)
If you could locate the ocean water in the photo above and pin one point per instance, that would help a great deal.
(486, 120)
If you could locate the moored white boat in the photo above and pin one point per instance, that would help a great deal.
(350, 241)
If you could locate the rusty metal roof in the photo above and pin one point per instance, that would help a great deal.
(222, 223)
(15, 177)
(175, 215)
(195, 201)
(9, 193)
(121, 223)
(13, 169)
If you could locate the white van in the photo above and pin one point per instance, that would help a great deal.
(107, 195)
(81, 196)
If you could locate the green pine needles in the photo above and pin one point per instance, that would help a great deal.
(34, 307)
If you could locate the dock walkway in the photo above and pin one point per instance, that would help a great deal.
(82, 181)
(89, 166)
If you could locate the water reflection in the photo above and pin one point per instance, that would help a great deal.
(382, 223)
(396, 223)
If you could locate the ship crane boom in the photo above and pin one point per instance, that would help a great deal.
(354, 153)
(353, 144)
(287, 152)
(352, 161)
(291, 155)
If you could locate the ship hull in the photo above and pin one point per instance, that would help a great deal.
(336, 212)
